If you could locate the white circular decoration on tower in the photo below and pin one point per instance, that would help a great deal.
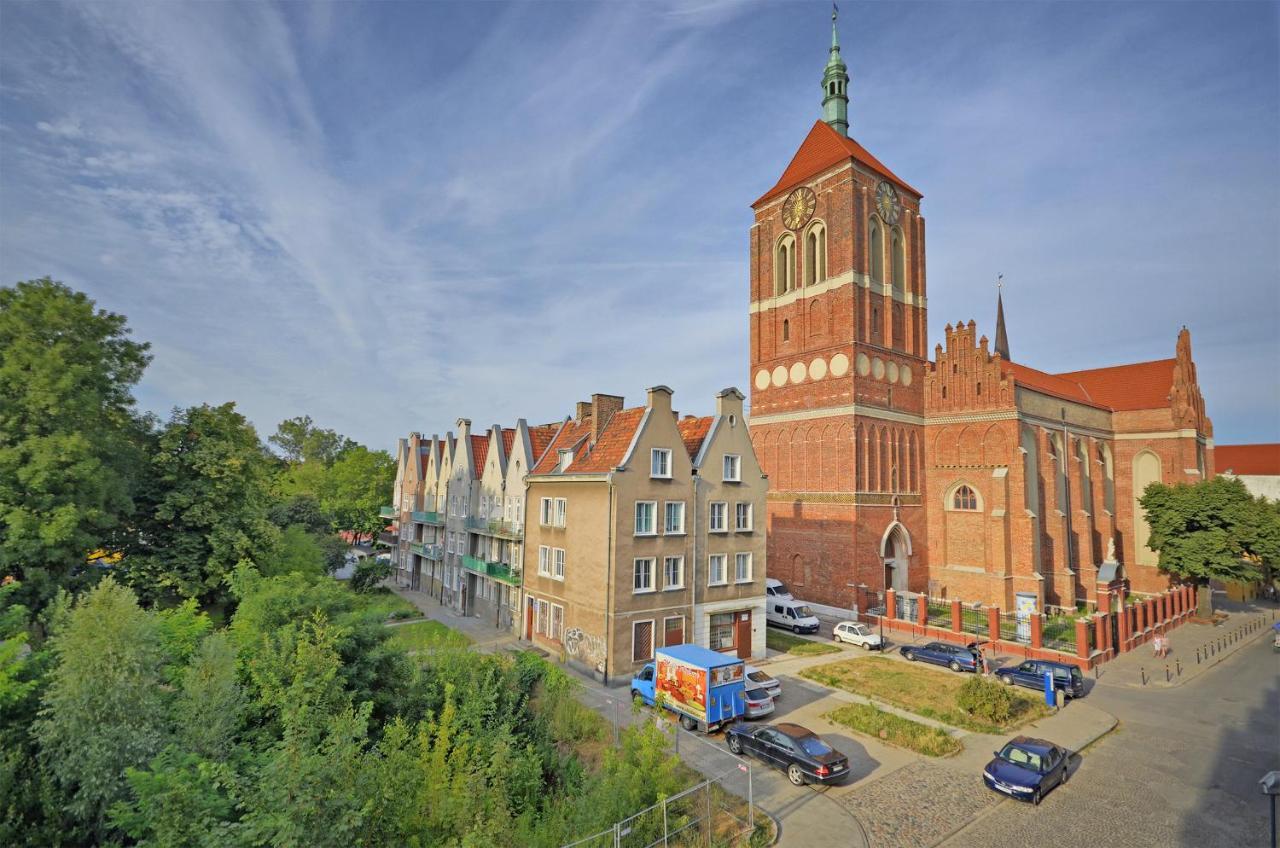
(797, 372)
(762, 379)
(864, 365)
(780, 376)
(877, 368)
(839, 365)
(817, 369)
(906, 375)
(893, 372)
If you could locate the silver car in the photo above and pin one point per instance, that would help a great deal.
(765, 681)
(758, 703)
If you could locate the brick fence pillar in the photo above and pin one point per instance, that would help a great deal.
(1104, 602)
(1082, 639)
(1164, 607)
(957, 617)
(890, 605)
(1151, 612)
(1122, 630)
(1178, 606)
(1101, 631)
(993, 623)
(1191, 600)
(1037, 631)
(922, 610)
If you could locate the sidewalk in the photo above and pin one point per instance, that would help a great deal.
(1193, 649)
(483, 635)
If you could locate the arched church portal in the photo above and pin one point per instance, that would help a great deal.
(895, 549)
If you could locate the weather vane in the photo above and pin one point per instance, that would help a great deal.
(999, 281)
(834, 11)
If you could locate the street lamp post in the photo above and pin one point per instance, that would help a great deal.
(1271, 786)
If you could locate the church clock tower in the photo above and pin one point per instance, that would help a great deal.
(838, 336)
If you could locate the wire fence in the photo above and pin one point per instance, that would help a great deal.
(939, 614)
(1058, 633)
(973, 620)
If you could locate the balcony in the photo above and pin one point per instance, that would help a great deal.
(427, 518)
(497, 527)
(387, 512)
(497, 570)
(387, 540)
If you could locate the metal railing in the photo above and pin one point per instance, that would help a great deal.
(497, 570)
(1058, 633)
(387, 512)
(427, 517)
(939, 614)
(973, 620)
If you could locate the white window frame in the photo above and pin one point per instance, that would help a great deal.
(738, 559)
(667, 529)
(555, 623)
(720, 508)
(544, 514)
(560, 512)
(635, 573)
(734, 474)
(663, 454)
(738, 523)
(653, 518)
(557, 563)
(544, 561)
(653, 639)
(724, 569)
(541, 616)
(667, 584)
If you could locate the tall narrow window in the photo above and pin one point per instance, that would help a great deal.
(786, 330)
(784, 273)
(899, 263)
(877, 253)
(811, 258)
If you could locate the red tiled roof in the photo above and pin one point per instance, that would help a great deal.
(1263, 460)
(570, 434)
(539, 438)
(424, 453)
(1050, 384)
(1142, 385)
(692, 432)
(610, 448)
(821, 149)
(508, 439)
(479, 450)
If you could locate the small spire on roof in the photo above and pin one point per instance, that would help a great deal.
(835, 84)
(1002, 337)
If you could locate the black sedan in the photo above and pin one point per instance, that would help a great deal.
(798, 751)
(954, 657)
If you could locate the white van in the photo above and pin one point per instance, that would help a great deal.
(774, 588)
(791, 614)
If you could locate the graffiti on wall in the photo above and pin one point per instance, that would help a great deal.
(585, 648)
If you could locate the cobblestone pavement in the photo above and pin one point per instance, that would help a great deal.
(1181, 770)
(917, 805)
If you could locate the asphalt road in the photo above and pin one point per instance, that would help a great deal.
(1182, 769)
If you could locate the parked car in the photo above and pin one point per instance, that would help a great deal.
(954, 657)
(1066, 677)
(857, 634)
(798, 751)
(759, 702)
(1027, 768)
(765, 681)
(791, 614)
(775, 588)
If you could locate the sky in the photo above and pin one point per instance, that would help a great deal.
(393, 215)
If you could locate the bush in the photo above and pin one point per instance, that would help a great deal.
(986, 699)
(369, 573)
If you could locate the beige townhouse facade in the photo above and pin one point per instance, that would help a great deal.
(642, 532)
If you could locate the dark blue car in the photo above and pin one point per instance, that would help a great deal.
(1027, 769)
(954, 657)
(1031, 673)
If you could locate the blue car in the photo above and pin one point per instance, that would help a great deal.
(954, 657)
(1027, 769)
(1031, 673)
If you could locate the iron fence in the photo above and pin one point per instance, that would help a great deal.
(973, 620)
(1058, 633)
(1013, 629)
(939, 613)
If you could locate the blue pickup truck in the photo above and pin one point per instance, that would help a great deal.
(705, 688)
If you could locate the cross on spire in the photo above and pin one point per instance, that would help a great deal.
(1002, 337)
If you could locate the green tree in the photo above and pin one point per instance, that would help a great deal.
(208, 510)
(68, 432)
(360, 482)
(1211, 530)
(299, 551)
(104, 709)
(301, 441)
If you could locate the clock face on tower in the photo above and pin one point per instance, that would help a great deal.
(798, 208)
(887, 203)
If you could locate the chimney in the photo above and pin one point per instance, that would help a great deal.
(581, 411)
(603, 408)
(729, 402)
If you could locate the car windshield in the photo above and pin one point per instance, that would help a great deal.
(781, 589)
(802, 611)
(1021, 757)
(860, 629)
(813, 746)
(756, 694)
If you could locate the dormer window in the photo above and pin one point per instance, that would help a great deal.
(660, 463)
(566, 457)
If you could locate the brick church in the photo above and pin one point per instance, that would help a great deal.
(969, 476)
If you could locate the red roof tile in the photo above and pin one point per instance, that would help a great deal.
(570, 434)
(821, 149)
(539, 439)
(508, 439)
(479, 450)
(1050, 384)
(610, 448)
(1142, 385)
(693, 431)
(1261, 460)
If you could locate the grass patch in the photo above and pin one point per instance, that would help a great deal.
(427, 636)
(387, 604)
(779, 641)
(896, 730)
(919, 690)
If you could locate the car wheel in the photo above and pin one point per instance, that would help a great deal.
(1035, 797)
(635, 694)
(910, 656)
(688, 723)
(866, 646)
(795, 628)
(735, 744)
(954, 666)
(795, 775)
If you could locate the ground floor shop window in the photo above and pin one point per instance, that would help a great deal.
(722, 632)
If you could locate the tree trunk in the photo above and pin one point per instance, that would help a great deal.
(1204, 600)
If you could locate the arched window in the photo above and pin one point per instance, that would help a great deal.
(899, 262)
(784, 274)
(815, 254)
(786, 329)
(964, 499)
(876, 242)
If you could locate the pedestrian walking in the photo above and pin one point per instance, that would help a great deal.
(1155, 645)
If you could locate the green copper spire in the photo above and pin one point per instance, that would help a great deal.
(835, 84)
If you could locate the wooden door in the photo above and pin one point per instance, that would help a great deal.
(743, 639)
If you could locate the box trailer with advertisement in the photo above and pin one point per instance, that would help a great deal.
(705, 688)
